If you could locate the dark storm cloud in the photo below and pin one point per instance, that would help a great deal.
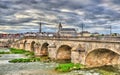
(28, 13)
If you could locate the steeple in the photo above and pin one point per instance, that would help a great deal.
(60, 26)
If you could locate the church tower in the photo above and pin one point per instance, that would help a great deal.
(60, 26)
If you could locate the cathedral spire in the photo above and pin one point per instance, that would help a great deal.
(60, 26)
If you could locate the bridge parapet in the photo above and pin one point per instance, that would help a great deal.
(98, 38)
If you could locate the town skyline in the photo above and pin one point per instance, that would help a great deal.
(20, 16)
(59, 37)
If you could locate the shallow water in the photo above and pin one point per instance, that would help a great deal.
(33, 68)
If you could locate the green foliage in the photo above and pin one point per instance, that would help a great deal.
(114, 34)
(30, 55)
(92, 35)
(21, 51)
(102, 34)
(64, 67)
(68, 67)
(4, 52)
(27, 53)
(17, 51)
(23, 60)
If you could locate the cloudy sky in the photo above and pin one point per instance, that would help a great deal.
(24, 15)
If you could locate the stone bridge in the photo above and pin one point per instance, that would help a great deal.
(5, 42)
(89, 52)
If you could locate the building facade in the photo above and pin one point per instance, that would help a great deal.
(66, 32)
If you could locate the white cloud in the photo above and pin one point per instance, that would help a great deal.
(26, 14)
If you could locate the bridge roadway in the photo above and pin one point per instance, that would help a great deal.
(89, 51)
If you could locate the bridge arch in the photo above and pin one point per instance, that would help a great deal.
(32, 46)
(44, 49)
(102, 56)
(64, 53)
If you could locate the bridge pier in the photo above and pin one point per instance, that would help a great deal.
(52, 51)
(21, 46)
(37, 50)
(27, 47)
(75, 56)
(78, 57)
(82, 57)
(78, 54)
(15, 46)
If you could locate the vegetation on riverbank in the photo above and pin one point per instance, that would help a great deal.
(66, 67)
(4, 52)
(103, 70)
(17, 51)
(21, 51)
(23, 60)
(30, 55)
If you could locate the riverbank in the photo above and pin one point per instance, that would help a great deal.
(26, 67)
(82, 70)
(67, 67)
(30, 56)
(16, 51)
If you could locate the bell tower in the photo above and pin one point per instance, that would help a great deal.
(60, 26)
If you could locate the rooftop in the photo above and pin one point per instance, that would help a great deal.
(68, 29)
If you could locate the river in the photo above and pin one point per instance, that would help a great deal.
(33, 68)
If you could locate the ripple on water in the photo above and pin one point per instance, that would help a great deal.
(11, 56)
(80, 72)
(23, 69)
(4, 62)
(4, 50)
(26, 68)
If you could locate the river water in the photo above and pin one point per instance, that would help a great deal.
(33, 68)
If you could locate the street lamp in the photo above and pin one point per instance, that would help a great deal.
(110, 30)
(82, 29)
